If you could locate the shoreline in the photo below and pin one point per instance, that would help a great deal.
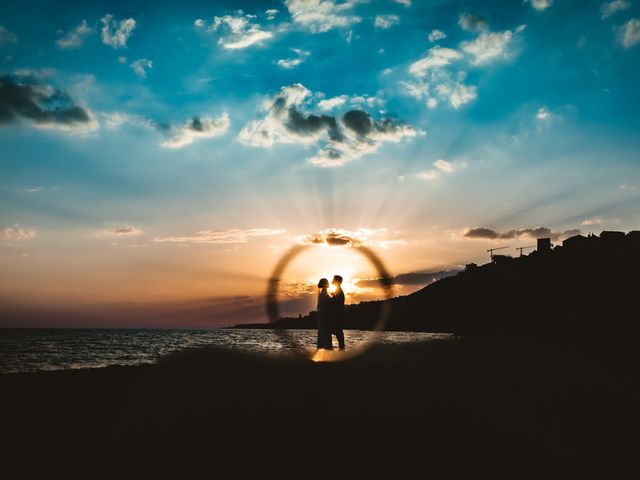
(486, 393)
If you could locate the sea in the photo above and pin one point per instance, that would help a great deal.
(34, 350)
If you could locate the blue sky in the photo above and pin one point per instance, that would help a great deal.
(166, 145)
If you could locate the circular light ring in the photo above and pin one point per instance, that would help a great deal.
(273, 305)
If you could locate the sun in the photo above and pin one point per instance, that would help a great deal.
(332, 288)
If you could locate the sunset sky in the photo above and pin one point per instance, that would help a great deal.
(161, 156)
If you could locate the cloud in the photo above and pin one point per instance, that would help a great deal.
(75, 38)
(539, 232)
(331, 103)
(122, 231)
(386, 21)
(341, 140)
(436, 35)
(242, 33)
(441, 167)
(199, 22)
(541, 5)
(338, 237)
(437, 57)
(195, 128)
(139, 66)
(473, 23)
(271, 13)
(418, 90)
(462, 94)
(288, 63)
(489, 46)
(116, 34)
(406, 3)
(213, 237)
(542, 113)
(598, 221)
(610, 8)
(16, 233)
(320, 16)
(7, 37)
(25, 96)
(629, 33)
(177, 136)
(408, 279)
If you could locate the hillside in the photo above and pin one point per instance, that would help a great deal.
(587, 285)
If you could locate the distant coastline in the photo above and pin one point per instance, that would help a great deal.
(585, 284)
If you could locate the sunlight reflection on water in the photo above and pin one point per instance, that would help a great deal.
(31, 350)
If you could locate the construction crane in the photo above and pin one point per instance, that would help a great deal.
(491, 250)
(525, 248)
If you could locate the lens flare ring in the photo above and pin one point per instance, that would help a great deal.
(273, 305)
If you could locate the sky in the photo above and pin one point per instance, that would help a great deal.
(157, 159)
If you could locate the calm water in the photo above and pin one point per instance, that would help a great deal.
(31, 350)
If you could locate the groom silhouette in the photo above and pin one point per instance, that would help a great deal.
(337, 311)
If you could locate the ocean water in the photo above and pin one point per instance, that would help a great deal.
(32, 350)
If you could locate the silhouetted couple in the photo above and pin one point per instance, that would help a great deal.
(330, 313)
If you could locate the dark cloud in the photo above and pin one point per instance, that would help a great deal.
(330, 238)
(539, 232)
(359, 121)
(409, 279)
(196, 125)
(340, 138)
(310, 124)
(28, 98)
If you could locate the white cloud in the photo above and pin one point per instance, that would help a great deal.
(436, 57)
(319, 16)
(386, 21)
(242, 34)
(195, 128)
(406, 3)
(16, 233)
(340, 139)
(428, 175)
(271, 13)
(462, 94)
(630, 33)
(432, 103)
(488, 46)
(598, 221)
(75, 38)
(473, 23)
(7, 37)
(199, 22)
(592, 221)
(541, 5)
(436, 35)
(611, 8)
(301, 56)
(442, 167)
(418, 90)
(122, 59)
(116, 34)
(543, 114)
(139, 67)
(212, 237)
(331, 103)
